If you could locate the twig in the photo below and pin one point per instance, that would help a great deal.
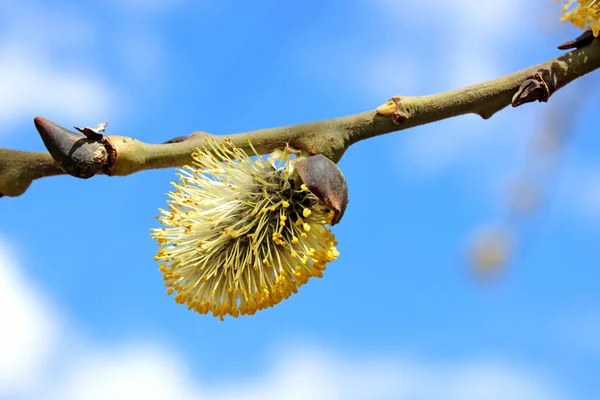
(84, 156)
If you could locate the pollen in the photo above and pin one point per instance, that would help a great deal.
(239, 235)
(584, 14)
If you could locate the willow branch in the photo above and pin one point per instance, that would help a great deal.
(95, 153)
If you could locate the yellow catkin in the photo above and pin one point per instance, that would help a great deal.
(584, 14)
(238, 235)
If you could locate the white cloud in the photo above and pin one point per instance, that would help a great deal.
(29, 87)
(296, 373)
(148, 370)
(497, 381)
(468, 14)
(131, 371)
(29, 327)
(321, 374)
(432, 47)
(53, 60)
(474, 46)
(447, 44)
(46, 66)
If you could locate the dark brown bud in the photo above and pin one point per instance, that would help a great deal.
(77, 155)
(325, 180)
(532, 89)
(580, 41)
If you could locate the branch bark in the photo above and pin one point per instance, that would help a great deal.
(120, 156)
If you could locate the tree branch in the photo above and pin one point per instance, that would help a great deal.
(19, 168)
(119, 155)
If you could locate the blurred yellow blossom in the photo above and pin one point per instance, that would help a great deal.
(241, 234)
(584, 14)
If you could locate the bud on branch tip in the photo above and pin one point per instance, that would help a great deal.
(77, 155)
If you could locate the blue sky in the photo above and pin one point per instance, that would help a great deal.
(401, 314)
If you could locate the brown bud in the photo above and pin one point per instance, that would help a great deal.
(582, 40)
(325, 179)
(77, 155)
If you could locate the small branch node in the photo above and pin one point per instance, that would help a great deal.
(392, 107)
(532, 89)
